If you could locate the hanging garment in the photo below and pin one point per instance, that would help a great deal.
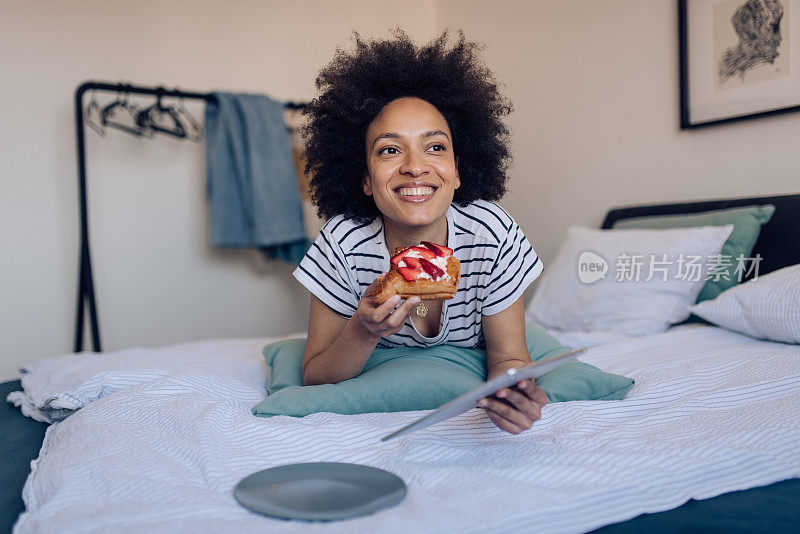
(252, 187)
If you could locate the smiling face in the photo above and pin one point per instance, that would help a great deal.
(411, 168)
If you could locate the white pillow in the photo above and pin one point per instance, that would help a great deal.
(767, 307)
(593, 285)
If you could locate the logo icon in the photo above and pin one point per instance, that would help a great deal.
(591, 267)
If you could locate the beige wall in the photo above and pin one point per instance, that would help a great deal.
(158, 280)
(594, 85)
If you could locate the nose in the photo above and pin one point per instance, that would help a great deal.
(413, 164)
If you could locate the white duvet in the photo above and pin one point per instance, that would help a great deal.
(712, 411)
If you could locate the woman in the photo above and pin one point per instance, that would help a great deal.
(407, 144)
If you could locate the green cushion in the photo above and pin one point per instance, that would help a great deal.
(746, 221)
(409, 378)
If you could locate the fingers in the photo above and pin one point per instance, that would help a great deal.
(516, 409)
(379, 313)
(387, 312)
(534, 392)
(376, 312)
(503, 424)
(511, 414)
(385, 319)
(399, 316)
(523, 405)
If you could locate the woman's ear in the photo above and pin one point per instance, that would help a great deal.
(367, 185)
(458, 178)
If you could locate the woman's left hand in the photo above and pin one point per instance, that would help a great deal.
(516, 408)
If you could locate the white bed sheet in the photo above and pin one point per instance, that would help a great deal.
(712, 411)
(582, 338)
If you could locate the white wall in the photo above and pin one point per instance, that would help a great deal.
(157, 279)
(595, 86)
(596, 125)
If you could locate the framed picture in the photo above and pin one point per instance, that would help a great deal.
(739, 59)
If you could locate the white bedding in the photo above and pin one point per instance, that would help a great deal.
(582, 338)
(55, 387)
(712, 411)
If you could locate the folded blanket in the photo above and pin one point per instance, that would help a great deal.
(411, 378)
(55, 387)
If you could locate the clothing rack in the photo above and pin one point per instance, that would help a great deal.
(86, 293)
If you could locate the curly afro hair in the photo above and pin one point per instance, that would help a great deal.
(355, 87)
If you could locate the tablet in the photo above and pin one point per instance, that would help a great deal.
(470, 399)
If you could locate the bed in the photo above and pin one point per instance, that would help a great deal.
(704, 442)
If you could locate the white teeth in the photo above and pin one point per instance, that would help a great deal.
(415, 191)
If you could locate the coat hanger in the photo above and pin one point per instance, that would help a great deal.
(93, 115)
(121, 114)
(160, 118)
(194, 131)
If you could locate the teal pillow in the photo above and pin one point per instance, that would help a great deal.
(746, 221)
(409, 378)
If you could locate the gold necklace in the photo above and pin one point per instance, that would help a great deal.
(421, 310)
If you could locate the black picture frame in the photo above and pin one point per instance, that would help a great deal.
(688, 116)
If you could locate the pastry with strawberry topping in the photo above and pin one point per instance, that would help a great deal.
(428, 270)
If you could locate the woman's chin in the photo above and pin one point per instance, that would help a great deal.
(417, 221)
(415, 215)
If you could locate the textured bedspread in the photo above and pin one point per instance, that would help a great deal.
(712, 412)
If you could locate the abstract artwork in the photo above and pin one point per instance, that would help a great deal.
(738, 59)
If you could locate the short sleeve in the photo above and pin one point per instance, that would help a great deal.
(324, 272)
(516, 266)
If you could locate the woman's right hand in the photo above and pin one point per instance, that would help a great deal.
(384, 320)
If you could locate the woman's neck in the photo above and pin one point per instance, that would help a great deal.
(403, 236)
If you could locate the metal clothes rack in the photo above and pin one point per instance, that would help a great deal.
(86, 293)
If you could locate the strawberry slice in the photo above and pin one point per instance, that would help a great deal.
(422, 251)
(410, 274)
(439, 250)
(413, 262)
(399, 256)
(431, 269)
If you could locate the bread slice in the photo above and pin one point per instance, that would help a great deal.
(393, 283)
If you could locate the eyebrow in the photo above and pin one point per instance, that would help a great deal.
(430, 133)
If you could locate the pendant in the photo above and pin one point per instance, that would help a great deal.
(421, 310)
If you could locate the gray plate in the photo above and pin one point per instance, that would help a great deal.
(320, 491)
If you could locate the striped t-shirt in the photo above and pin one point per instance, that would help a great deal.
(497, 264)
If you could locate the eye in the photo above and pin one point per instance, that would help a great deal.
(387, 150)
(437, 148)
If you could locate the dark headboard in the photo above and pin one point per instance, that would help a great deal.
(779, 241)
